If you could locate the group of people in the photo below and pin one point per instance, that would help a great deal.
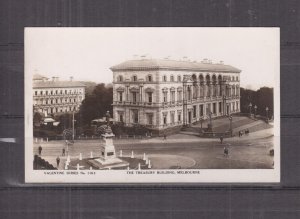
(246, 132)
(57, 159)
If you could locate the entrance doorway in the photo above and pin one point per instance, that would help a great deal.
(190, 117)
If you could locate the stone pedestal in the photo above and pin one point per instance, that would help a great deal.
(108, 158)
(107, 151)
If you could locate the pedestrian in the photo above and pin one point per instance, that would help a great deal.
(40, 150)
(57, 161)
(221, 139)
(63, 152)
(225, 152)
(165, 137)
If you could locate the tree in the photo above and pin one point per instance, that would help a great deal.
(96, 104)
(261, 98)
(37, 119)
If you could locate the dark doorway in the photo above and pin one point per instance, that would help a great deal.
(190, 117)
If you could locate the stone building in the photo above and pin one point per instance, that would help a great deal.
(55, 96)
(167, 94)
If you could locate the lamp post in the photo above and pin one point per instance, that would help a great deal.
(201, 121)
(255, 108)
(230, 129)
(267, 114)
(250, 106)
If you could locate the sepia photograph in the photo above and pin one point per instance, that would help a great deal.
(152, 105)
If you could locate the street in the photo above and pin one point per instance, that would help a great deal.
(247, 152)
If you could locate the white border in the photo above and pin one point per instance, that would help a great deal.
(121, 176)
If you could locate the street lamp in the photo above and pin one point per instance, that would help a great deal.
(201, 121)
(267, 114)
(255, 108)
(230, 129)
(250, 106)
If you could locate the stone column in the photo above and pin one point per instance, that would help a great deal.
(127, 93)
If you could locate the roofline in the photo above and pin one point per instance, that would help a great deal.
(57, 86)
(113, 69)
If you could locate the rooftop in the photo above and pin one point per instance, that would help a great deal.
(57, 84)
(39, 77)
(146, 64)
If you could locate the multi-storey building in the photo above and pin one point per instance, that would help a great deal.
(55, 96)
(164, 94)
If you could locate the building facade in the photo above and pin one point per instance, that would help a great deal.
(55, 96)
(164, 94)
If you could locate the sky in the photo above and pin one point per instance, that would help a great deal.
(88, 53)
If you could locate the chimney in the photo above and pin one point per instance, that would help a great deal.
(71, 78)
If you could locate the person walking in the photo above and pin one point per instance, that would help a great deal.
(40, 150)
(165, 137)
(226, 152)
(63, 152)
(221, 139)
(57, 161)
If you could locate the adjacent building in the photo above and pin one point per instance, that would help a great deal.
(166, 94)
(55, 96)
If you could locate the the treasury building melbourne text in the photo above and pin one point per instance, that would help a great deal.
(166, 94)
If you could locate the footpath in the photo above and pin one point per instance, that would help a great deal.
(265, 133)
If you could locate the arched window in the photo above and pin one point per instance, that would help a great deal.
(172, 78)
(179, 78)
(164, 78)
(134, 78)
(149, 78)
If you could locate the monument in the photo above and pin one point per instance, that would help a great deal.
(108, 158)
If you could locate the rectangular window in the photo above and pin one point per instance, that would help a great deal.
(150, 118)
(121, 116)
(134, 97)
(120, 94)
(165, 118)
(150, 97)
(172, 117)
(135, 116)
(201, 110)
(179, 93)
(179, 116)
(208, 109)
(214, 108)
(173, 96)
(165, 97)
(194, 111)
(35, 92)
(220, 107)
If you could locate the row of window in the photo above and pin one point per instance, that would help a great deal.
(54, 101)
(54, 92)
(149, 78)
(197, 111)
(134, 96)
(59, 110)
